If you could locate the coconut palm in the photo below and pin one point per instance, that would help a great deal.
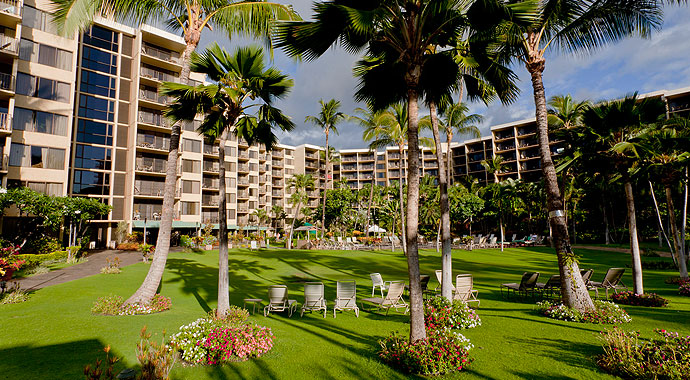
(328, 118)
(278, 213)
(261, 216)
(605, 137)
(564, 112)
(573, 26)
(241, 83)
(191, 18)
(455, 119)
(300, 184)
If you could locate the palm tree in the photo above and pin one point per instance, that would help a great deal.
(608, 129)
(299, 183)
(493, 166)
(278, 212)
(328, 118)
(261, 216)
(240, 82)
(564, 112)
(385, 128)
(455, 119)
(575, 26)
(191, 18)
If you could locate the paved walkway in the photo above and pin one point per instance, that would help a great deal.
(616, 249)
(93, 266)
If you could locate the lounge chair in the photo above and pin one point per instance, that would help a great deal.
(278, 300)
(377, 281)
(527, 284)
(313, 298)
(439, 277)
(551, 286)
(586, 276)
(253, 246)
(346, 297)
(612, 280)
(464, 289)
(393, 298)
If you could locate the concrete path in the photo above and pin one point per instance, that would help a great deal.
(93, 266)
(616, 249)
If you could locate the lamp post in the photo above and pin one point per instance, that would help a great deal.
(77, 213)
(145, 220)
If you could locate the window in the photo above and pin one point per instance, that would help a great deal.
(41, 122)
(97, 84)
(93, 132)
(190, 208)
(96, 108)
(191, 145)
(45, 55)
(98, 60)
(101, 37)
(380, 175)
(37, 19)
(191, 166)
(37, 156)
(380, 166)
(190, 187)
(92, 157)
(88, 182)
(48, 188)
(44, 88)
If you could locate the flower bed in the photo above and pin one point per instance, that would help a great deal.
(9, 262)
(114, 305)
(684, 288)
(213, 341)
(628, 356)
(441, 313)
(647, 299)
(441, 352)
(604, 313)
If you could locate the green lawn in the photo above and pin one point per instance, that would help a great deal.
(54, 335)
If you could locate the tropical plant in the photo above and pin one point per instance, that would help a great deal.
(525, 35)
(190, 17)
(261, 216)
(455, 119)
(278, 213)
(300, 184)
(505, 198)
(328, 118)
(241, 83)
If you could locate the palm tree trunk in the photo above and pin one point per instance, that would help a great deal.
(325, 191)
(500, 226)
(223, 280)
(402, 203)
(661, 224)
(417, 328)
(294, 218)
(148, 288)
(684, 219)
(638, 287)
(446, 253)
(371, 198)
(449, 157)
(675, 233)
(573, 290)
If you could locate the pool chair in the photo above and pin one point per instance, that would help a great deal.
(587, 276)
(313, 298)
(439, 277)
(551, 286)
(464, 291)
(612, 280)
(527, 284)
(346, 297)
(393, 299)
(278, 301)
(377, 282)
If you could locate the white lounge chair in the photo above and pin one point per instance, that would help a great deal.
(313, 298)
(346, 297)
(464, 289)
(393, 299)
(253, 245)
(377, 281)
(278, 300)
(439, 277)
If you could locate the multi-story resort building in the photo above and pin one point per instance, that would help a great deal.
(83, 117)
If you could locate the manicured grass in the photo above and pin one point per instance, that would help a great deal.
(54, 334)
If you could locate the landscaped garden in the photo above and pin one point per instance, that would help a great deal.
(54, 334)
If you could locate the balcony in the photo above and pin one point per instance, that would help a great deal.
(243, 155)
(348, 168)
(9, 45)
(243, 195)
(277, 173)
(153, 142)
(210, 184)
(7, 82)
(5, 123)
(369, 157)
(505, 147)
(504, 136)
(277, 154)
(153, 96)
(243, 181)
(348, 158)
(11, 7)
(157, 75)
(154, 119)
(366, 167)
(210, 201)
(243, 168)
(277, 163)
(154, 166)
(211, 150)
(161, 54)
(211, 167)
(242, 142)
(147, 190)
(277, 193)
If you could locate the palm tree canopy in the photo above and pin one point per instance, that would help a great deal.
(385, 128)
(251, 18)
(564, 112)
(493, 165)
(328, 117)
(457, 120)
(241, 81)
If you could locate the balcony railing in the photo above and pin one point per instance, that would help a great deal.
(154, 119)
(12, 7)
(165, 55)
(161, 76)
(211, 149)
(153, 142)
(366, 167)
(243, 168)
(277, 154)
(210, 183)
(243, 194)
(277, 173)
(9, 44)
(153, 96)
(7, 82)
(151, 166)
(277, 163)
(211, 168)
(5, 122)
(277, 193)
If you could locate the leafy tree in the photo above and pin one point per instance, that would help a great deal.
(241, 82)
(278, 213)
(455, 119)
(300, 183)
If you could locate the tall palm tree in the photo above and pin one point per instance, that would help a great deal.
(564, 112)
(575, 26)
(190, 17)
(241, 83)
(493, 166)
(328, 118)
(278, 212)
(455, 119)
(383, 129)
(609, 128)
(300, 184)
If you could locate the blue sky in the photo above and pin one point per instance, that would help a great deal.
(644, 65)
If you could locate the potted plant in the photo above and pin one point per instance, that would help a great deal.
(146, 250)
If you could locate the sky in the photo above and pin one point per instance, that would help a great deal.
(643, 65)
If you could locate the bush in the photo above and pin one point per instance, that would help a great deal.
(146, 251)
(113, 266)
(441, 352)
(604, 313)
(675, 280)
(96, 372)
(128, 246)
(684, 288)
(13, 295)
(186, 242)
(114, 305)
(41, 246)
(647, 299)
(156, 360)
(213, 340)
(441, 313)
(628, 356)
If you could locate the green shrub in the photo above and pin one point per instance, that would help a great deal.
(41, 246)
(628, 356)
(441, 313)
(34, 260)
(156, 360)
(443, 351)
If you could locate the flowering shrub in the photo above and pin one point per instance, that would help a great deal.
(440, 313)
(647, 299)
(604, 313)
(9, 262)
(674, 280)
(146, 251)
(441, 352)
(684, 288)
(114, 305)
(628, 356)
(211, 340)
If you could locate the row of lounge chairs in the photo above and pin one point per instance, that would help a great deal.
(463, 289)
(529, 283)
(492, 241)
(351, 243)
(314, 300)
